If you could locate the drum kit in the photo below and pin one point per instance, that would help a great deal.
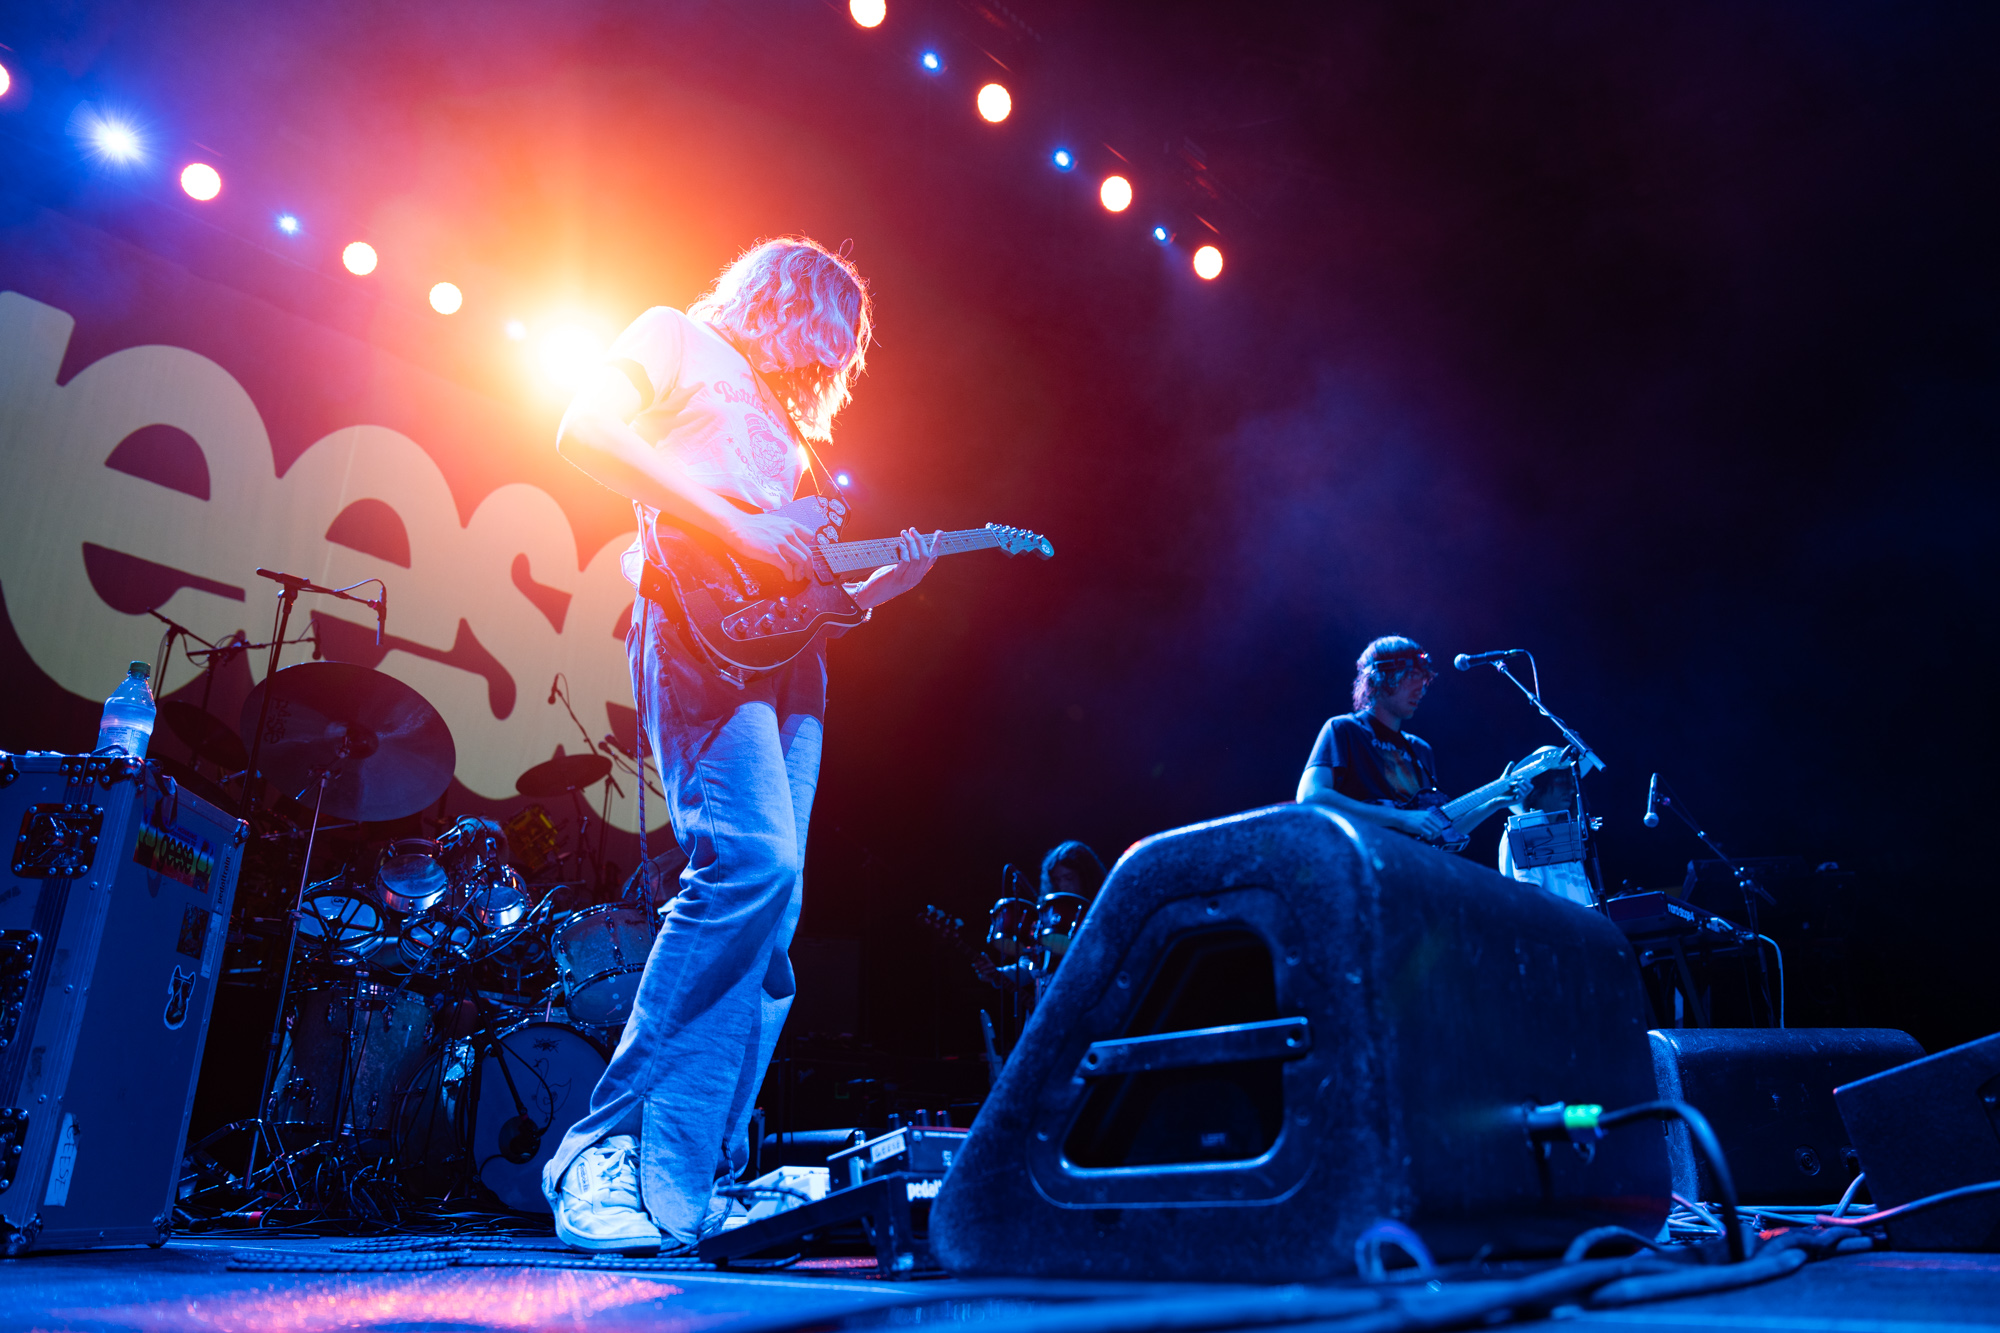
(437, 1014)
(1018, 928)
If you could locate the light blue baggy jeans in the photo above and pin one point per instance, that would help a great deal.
(739, 767)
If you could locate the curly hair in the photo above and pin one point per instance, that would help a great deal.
(1382, 666)
(802, 316)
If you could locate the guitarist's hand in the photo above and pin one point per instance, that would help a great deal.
(1426, 824)
(773, 540)
(915, 554)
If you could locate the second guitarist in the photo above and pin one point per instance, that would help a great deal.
(1366, 765)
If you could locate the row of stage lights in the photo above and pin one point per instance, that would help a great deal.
(566, 352)
(994, 104)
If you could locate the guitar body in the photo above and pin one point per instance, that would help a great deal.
(1457, 808)
(747, 614)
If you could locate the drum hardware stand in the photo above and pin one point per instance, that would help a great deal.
(1746, 880)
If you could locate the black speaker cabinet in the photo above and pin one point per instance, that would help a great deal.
(1768, 1092)
(1929, 1126)
(1276, 1030)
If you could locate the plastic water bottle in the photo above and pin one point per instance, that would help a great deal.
(128, 713)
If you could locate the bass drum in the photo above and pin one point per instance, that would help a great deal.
(552, 1068)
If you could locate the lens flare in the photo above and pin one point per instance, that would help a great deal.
(1115, 193)
(446, 298)
(568, 353)
(868, 13)
(1207, 262)
(515, 330)
(201, 181)
(995, 103)
(359, 257)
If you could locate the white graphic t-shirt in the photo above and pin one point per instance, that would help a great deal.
(712, 412)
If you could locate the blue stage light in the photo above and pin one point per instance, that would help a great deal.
(1063, 158)
(288, 224)
(931, 61)
(113, 140)
(842, 479)
(1162, 235)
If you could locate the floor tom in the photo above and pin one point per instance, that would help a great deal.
(353, 1051)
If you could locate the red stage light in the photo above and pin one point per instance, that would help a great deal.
(995, 103)
(201, 181)
(446, 298)
(1116, 193)
(868, 13)
(1207, 262)
(568, 353)
(359, 257)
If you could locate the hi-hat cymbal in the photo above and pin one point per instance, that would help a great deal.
(387, 750)
(564, 773)
(206, 734)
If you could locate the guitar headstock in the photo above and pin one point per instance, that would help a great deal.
(1020, 541)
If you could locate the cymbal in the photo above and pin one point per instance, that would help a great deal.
(563, 774)
(388, 751)
(206, 734)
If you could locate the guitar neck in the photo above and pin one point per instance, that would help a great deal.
(849, 557)
(1459, 808)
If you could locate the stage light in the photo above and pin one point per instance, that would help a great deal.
(568, 353)
(842, 479)
(446, 298)
(359, 257)
(995, 103)
(516, 330)
(288, 224)
(868, 13)
(931, 61)
(114, 140)
(1115, 193)
(201, 181)
(1063, 158)
(1162, 235)
(1207, 262)
(6, 80)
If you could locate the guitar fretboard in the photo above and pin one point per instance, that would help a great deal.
(847, 557)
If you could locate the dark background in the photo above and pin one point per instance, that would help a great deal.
(1658, 338)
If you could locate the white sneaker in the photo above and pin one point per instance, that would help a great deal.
(598, 1206)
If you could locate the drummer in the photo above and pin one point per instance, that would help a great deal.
(1069, 868)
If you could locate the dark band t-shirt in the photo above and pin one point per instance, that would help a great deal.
(1372, 763)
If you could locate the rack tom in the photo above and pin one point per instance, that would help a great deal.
(472, 849)
(409, 876)
(599, 955)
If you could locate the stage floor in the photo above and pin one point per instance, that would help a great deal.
(191, 1285)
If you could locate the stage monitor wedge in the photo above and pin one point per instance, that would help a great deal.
(1275, 1031)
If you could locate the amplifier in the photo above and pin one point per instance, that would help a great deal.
(1926, 1127)
(114, 906)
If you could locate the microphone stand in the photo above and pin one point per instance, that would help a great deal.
(1586, 760)
(289, 588)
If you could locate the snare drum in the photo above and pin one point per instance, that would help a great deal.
(1010, 928)
(409, 876)
(599, 954)
(471, 848)
(1061, 914)
(354, 1049)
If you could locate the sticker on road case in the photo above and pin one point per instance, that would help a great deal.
(176, 855)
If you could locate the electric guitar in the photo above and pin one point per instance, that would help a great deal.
(1455, 838)
(753, 617)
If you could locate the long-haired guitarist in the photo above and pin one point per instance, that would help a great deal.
(701, 419)
(1368, 765)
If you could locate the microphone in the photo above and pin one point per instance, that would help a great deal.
(1467, 661)
(552, 687)
(381, 615)
(1652, 799)
(292, 581)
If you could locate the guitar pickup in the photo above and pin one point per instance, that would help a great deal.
(762, 619)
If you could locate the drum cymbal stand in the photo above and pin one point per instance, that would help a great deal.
(262, 1128)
